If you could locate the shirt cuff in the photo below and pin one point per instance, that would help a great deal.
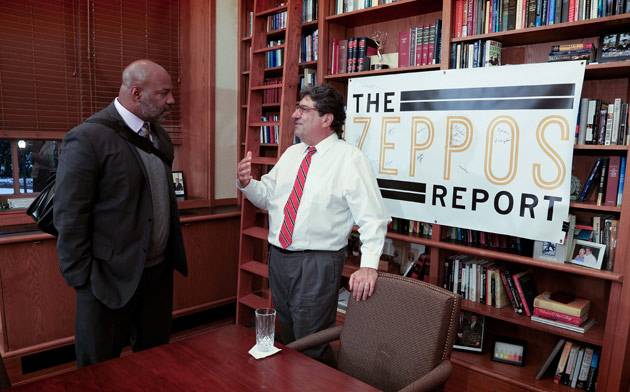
(369, 261)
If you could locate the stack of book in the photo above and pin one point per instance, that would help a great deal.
(571, 52)
(563, 311)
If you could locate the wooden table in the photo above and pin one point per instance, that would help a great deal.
(214, 361)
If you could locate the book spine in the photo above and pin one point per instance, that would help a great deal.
(613, 180)
(602, 183)
(521, 294)
(565, 318)
(562, 362)
(622, 176)
(403, 49)
(590, 179)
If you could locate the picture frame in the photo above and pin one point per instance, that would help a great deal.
(614, 47)
(470, 332)
(509, 350)
(587, 254)
(178, 183)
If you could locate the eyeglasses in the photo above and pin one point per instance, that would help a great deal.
(301, 109)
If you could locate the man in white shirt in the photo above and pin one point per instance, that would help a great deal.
(311, 217)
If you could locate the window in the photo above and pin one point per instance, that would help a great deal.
(26, 165)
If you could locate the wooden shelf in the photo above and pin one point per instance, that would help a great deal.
(385, 12)
(257, 232)
(596, 147)
(592, 206)
(430, 67)
(595, 335)
(264, 124)
(267, 49)
(512, 258)
(555, 32)
(305, 64)
(271, 11)
(256, 268)
(246, 39)
(617, 69)
(307, 25)
(521, 377)
(254, 301)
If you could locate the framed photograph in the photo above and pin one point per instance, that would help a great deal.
(470, 328)
(587, 254)
(509, 350)
(178, 183)
(614, 47)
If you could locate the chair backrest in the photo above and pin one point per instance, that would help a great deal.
(5, 382)
(404, 330)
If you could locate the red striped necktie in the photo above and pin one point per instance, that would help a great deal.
(293, 203)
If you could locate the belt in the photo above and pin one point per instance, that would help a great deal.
(290, 252)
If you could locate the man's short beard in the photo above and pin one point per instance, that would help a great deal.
(150, 112)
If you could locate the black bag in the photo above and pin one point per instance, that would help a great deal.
(41, 209)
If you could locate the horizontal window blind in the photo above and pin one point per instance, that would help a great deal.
(62, 60)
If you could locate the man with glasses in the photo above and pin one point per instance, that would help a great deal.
(315, 194)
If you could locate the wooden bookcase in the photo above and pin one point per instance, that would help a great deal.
(608, 291)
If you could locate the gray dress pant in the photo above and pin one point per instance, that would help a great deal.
(305, 289)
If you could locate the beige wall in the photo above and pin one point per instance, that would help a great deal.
(226, 103)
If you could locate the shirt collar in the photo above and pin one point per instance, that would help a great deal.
(324, 145)
(134, 122)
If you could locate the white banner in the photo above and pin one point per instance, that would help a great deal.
(486, 149)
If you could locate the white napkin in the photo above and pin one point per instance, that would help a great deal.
(254, 352)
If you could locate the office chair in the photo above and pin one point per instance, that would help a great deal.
(400, 339)
(5, 383)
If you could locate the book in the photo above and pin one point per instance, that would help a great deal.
(577, 366)
(524, 282)
(612, 180)
(562, 363)
(552, 355)
(492, 53)
(565, 318)
(582, 124)
(342, 66)
(577, 307)
(591, 178)
(571, 327)
(622, 177)
(591, 380)
(510, 289)
(602, 183)
(565, 376)
(585, 366)
(578, 46)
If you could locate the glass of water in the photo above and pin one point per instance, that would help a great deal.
(265, 328)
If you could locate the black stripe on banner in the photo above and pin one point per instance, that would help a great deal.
(493, 104)
(402, 185)
(553, 90)
(414, 197)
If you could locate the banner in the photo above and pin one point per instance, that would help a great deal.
(487, 149)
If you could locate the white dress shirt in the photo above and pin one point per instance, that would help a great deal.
(340, 191)
(134, 122)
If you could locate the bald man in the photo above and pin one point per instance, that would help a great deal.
(116, 213)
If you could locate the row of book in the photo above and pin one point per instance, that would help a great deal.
(310, 10)
(420, 45)
(272, 95)
(480, 53)
(489, 240)
(343, 6)
(309, 78)
(608, 176)
(474, 17)
(277, 21)
(352, 55)
(269, 133)
(576, 365)
(411, 227)
(274, 58)
(572, 52)
(603, 123)
(309, 47)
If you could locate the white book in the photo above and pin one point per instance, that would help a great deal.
(615, 126)
(590, 118)
(583, 117)
(609, 124)
(571, 361)
(571, 327)
(473, 282)
(585, 366)
(577, 366)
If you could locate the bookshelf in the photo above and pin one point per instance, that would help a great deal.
(608, 290)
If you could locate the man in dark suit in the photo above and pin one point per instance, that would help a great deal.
(116, 213)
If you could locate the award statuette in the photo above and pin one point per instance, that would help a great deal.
(380, 38)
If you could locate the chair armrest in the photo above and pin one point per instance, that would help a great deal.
(433, 380)
(316, 339)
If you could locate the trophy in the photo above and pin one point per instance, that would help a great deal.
(380, 38)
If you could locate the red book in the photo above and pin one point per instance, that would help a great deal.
(612, 180)
(403, 49)
(425, 45)
(459, 16)
(571, 11)
(565, 318)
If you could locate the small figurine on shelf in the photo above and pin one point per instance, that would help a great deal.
(380, 38)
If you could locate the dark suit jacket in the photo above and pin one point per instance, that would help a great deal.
(103, 211)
